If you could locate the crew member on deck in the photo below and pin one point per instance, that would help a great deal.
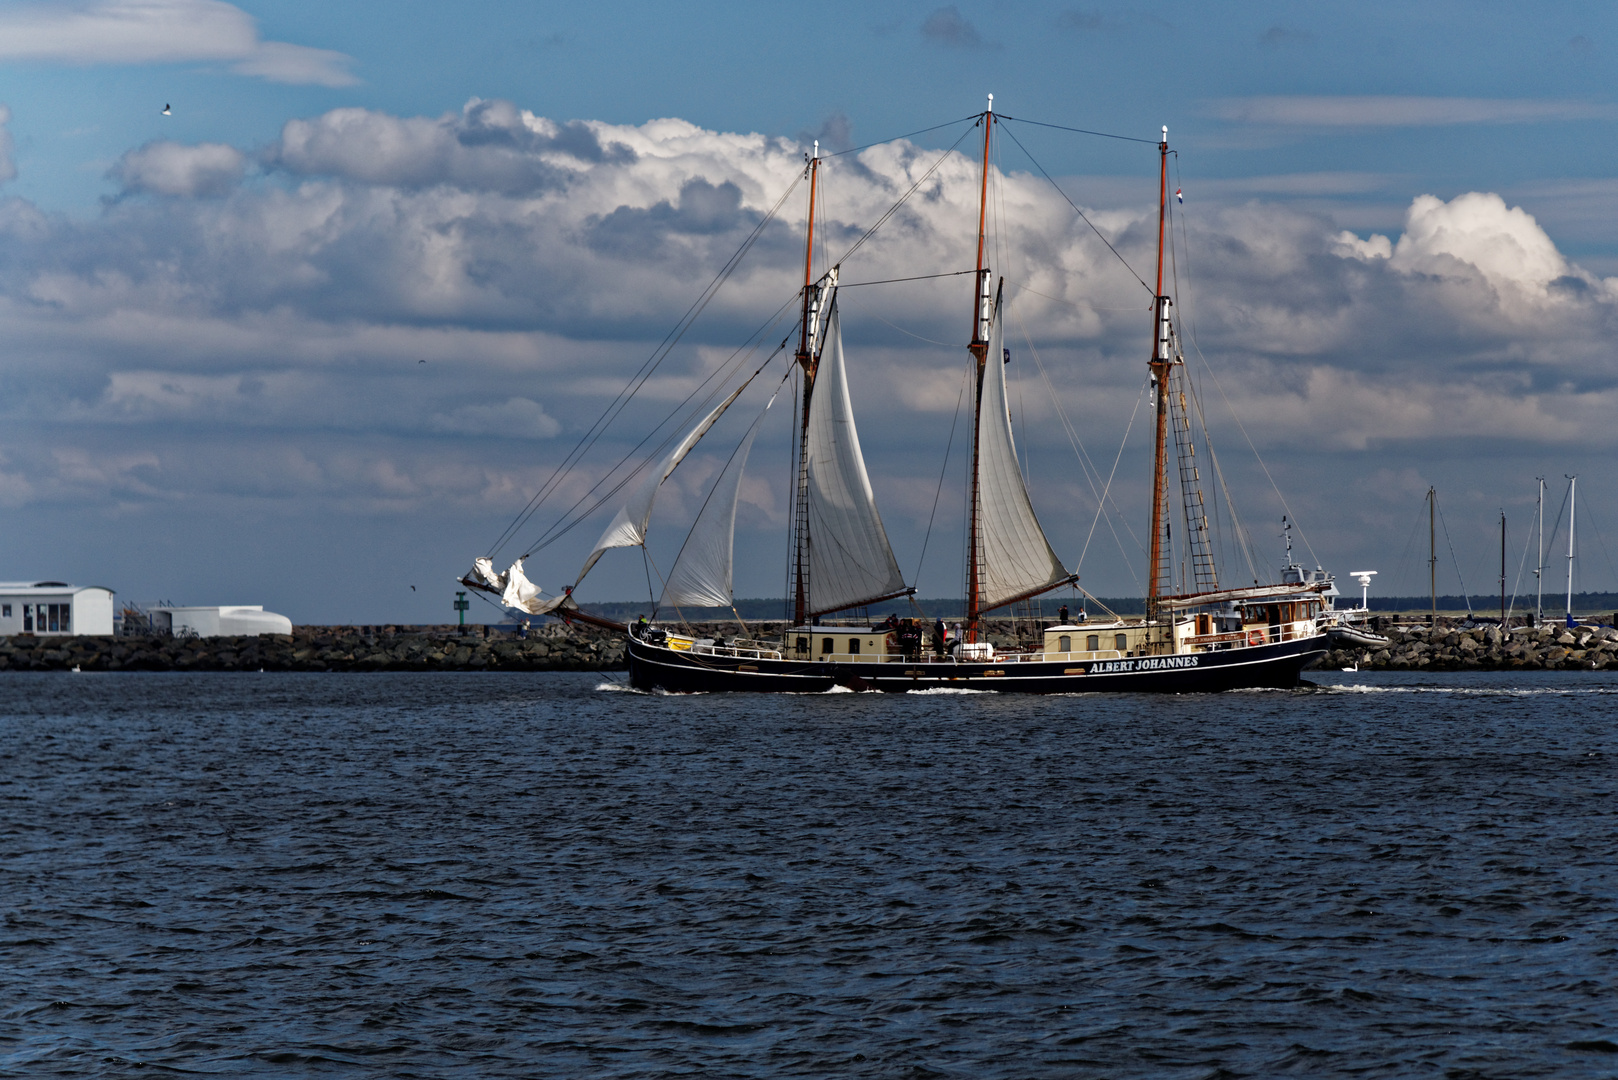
(939, 636)
(1061, 615)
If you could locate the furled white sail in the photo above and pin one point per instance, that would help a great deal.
(483, 572)
(519, 592)
(1015, 559)
(628, 527)
(850, 559)
(701, 575)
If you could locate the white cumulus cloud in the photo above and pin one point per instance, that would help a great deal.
(267, 342)
(514, 418)
(171, 168)
(8, 167)
(159, 32)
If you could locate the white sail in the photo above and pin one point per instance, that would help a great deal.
(628, 527)
(519, 592)
(483, 571)
(701, 575)
(850, 559)
(1014, 556)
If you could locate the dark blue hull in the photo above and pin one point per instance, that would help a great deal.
(1279, 665)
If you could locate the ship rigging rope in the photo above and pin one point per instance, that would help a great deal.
(918, 337)
(1516, 584)
(896, 138)
(1191, 326)
(942, 472)
(1090, 471)
(891, 280)
(639, 379)
(720, 475)
(1077, 211)
(905, 197)
(1465, 599)
(1079, 131)
(1121, 444)
(563, 524)
(559, 529)
(1242, 538)
(1403, 565)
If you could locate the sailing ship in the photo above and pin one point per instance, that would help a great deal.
(1202, 638)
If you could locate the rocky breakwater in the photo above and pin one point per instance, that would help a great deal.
(1485, 648)
(320, 648)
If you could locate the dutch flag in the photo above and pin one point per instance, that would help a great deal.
(1179, 195)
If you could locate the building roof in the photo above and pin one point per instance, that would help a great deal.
(26, 588)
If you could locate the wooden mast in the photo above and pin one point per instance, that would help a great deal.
(1159, 366)
(808, 361)
(979, 348)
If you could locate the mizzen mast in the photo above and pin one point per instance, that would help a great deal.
(979, 348)
(1159, 581)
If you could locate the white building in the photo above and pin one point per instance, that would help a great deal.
(238, 621)
(54, 608)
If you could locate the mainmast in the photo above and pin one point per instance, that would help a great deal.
(979, 348)
(1158, 581)
(807, 360)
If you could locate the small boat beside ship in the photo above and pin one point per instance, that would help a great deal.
(1197, 635)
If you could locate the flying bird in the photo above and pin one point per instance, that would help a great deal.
(412, 588)
(167, 111)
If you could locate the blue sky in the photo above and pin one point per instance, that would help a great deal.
(217, 319)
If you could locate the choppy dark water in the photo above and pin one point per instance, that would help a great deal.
(527, 876)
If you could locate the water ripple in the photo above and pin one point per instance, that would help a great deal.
(520, 875)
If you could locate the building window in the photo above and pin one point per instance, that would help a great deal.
(1064, 644)
(53, 611)
(1121, 642)
(67, 618)
(1093, 642)
(5, 610)
(28, 618)
(803, 646)
(853, 646)
(826, 646)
